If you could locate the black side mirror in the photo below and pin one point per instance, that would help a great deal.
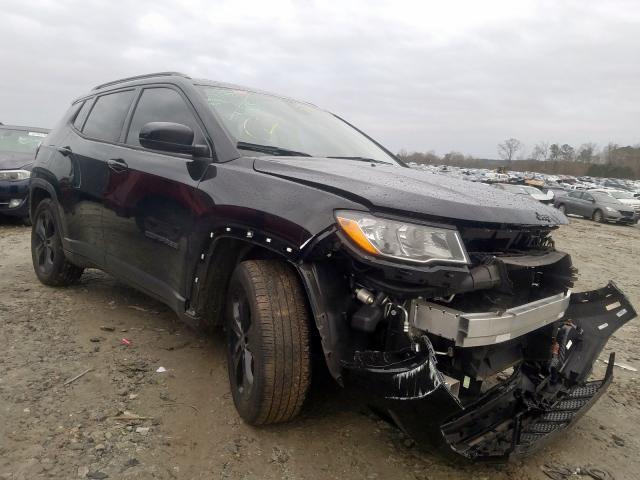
(171, 137)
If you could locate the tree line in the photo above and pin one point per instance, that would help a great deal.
(612, 161)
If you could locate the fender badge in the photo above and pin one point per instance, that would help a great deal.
(544, 218)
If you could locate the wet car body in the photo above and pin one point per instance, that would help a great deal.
(17, 154)
(432, 340)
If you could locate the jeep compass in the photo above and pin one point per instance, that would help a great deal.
(281, 222)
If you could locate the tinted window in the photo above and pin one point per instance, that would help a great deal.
(587, 196)
(82, 114)
(107, 116)
(161, 105)
(575, 194)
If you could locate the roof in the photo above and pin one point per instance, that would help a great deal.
(202, 82)
(140, 77)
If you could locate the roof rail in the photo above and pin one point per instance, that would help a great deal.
(138, 77)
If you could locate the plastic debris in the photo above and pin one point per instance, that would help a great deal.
(557, 471)
(125, 341)
(161, 370)
(71, 380)
(624, 366)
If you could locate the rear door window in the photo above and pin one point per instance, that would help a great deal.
(575, 194)
(78, 123)
(107, 116)
(160, 104)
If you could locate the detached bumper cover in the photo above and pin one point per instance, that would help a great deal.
(513, 418)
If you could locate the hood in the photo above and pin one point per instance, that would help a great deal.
(13, 161)
(413, 191)
(609, 201)
(634, 202)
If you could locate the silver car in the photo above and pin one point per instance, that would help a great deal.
(598, 206)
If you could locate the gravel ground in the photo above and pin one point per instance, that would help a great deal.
(123, 419)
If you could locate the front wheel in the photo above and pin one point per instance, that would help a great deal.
(49, 262)
(268, 355)
(598, 216)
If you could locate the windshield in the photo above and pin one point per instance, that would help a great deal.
(19, 141)
(603, 197)
(267, 120)
(623, 195)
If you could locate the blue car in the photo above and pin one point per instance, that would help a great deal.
(18, 146)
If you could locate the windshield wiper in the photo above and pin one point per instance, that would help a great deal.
(363, 159)
(270, 149)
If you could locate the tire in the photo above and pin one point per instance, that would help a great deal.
(268, 353)
(51, 266)
(562, 208)
(598, 216)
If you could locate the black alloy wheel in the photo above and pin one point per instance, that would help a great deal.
(268, 341)
(239, 343)
(43, 242)
(49, 261)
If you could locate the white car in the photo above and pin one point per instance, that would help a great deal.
(527, 190)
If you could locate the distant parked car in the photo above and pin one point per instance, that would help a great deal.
(598, 206)
(527, 190)
(627, 198)
(17, 152)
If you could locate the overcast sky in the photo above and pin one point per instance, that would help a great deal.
(445, 75)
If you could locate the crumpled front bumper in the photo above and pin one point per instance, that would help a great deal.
(516, 416)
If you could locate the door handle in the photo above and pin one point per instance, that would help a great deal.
(117, 165)
(65, 151)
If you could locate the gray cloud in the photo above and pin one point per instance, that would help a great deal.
(419, 76)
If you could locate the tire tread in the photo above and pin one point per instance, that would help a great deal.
(285, 351)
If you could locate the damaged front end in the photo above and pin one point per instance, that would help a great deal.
(490, 358)
(543, 396)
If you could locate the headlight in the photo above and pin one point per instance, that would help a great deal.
(14, 175)
(612, 210)
(401, 240)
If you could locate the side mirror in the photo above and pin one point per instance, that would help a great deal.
(170, 137)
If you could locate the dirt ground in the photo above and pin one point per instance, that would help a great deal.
(123, 419)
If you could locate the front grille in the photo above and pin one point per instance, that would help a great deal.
(626, 214)
(480, 240)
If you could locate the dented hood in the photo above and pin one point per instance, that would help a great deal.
(414, 191)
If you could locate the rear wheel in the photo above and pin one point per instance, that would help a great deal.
(598, 216)
(49, 262)
(267, 342)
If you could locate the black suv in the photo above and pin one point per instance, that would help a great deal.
(281, 222)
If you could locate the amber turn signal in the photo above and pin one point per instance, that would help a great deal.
(354, 232)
